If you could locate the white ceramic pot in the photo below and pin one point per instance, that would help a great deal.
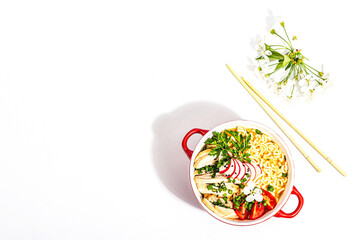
(290, 188)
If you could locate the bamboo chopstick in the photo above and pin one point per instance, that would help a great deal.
(259, 98)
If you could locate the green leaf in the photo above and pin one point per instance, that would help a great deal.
(287, 67)
(278, 66)
(248, 138)
(276, 55)
(286, 60)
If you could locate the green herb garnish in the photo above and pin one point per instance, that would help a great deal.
(270, 188)
(219, 203)
(222, 142)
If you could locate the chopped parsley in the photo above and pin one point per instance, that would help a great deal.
(258, 131)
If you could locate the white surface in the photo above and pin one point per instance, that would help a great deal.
(95, 97)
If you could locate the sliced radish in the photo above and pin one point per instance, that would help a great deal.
(231, 169)
(252, 171)
(258, 170)
(224, 168)
(234, 170)
(238, 169)
(247, 171)
(242, 170)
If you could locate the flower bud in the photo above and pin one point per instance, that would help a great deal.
(294, 38)
(272, 31)
(282, 24)
(268, 52)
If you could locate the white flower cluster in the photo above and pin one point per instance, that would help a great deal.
(284, 70)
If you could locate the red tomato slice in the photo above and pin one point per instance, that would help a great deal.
(257, 210)
(241, 212)
(270, 200)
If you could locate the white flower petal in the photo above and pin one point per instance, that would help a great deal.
(307, 94)
(302, 74)
(246, 191)
(260, 46)
(258, 197)
(266, 58)
(250, 198)
(302, 82)
(290, 82)
(312, 84)
(279, 74)
(257, 191)
(304, 89)
(251, 185)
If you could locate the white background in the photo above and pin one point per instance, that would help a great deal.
(96, 96)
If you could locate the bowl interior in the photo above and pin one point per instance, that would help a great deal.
(276, 138)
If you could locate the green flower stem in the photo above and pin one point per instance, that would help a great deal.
(311, 67)
(273, 64)
(316, 75)
(304, 68)
(287, 36)
(289, 74)
(283, 40)
(283, 47)
(318, 82)
(292, 91)
(297, 71)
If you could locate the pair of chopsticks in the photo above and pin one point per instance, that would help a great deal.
(262, 101)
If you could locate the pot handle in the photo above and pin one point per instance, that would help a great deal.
(186, 138)
(298, 208)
